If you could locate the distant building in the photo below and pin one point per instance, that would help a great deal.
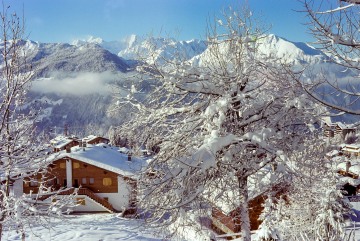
(91, 139)
(336, 129)
(349, 181)
(350, 150)
(62, 142)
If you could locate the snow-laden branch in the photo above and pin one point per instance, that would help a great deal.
(341, 8)
(228, 114)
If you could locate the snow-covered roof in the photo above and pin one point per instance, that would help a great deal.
(61, 141)
(106, 157)
(124, 150)
(343, 126)
(351, 148)
(354, 168)
(328, 122)
(90, 138)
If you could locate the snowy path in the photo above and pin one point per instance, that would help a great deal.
(89, 227)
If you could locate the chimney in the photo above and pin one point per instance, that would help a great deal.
(80, 143)
(84, 145)
(68, 149)
(348, 165)
(129, 157)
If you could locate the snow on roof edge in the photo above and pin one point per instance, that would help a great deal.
(105, 157)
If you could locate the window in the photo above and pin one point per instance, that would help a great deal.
(83, 180)
(33, 183)
(76, 165)
(91, 180)
(107, 181)
(62, 165)
(80, 201)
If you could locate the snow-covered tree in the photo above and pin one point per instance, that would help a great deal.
(21, 153)
(335, 26)
(268, 230)
(225, 122)
(350, 138)
(313, 207)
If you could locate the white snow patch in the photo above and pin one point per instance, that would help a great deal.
(89, 227)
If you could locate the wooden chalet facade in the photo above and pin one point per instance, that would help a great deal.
(104, 178)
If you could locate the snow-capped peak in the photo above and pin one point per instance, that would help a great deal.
(294, 51)
(131, 40)
(90, 39)
(162, 47)
(96, 40)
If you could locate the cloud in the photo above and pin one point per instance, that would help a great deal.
(75, 84)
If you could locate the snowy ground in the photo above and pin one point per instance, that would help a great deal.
(89, 227)
(110, 227)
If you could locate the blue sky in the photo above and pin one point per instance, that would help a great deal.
(67, 20)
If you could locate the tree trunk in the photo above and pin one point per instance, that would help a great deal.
(3, 215)
(1, 230)
(244, 209)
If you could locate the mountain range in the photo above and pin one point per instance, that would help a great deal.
(73, 82)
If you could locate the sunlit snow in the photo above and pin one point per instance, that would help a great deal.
(89, 227)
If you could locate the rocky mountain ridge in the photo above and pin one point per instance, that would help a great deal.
(80, 74)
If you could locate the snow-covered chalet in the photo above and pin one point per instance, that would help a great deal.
(104, 178)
